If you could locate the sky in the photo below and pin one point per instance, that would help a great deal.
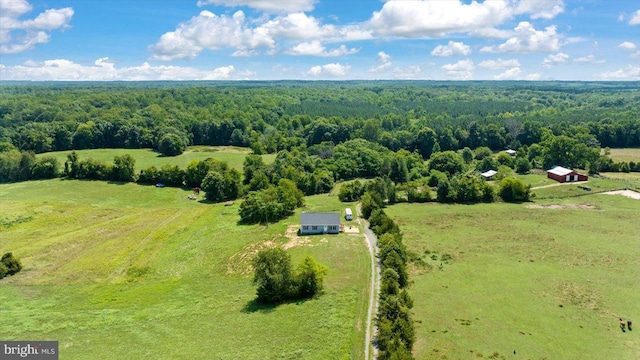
(92, 40)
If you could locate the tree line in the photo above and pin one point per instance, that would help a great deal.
(397, 115)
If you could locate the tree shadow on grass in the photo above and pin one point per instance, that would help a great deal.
(256, 306)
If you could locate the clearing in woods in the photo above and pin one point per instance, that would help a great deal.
(145, 158)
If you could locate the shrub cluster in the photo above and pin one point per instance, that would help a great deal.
(9, 265)
(277, 281)
(22, 165)
(272, 203)
(396, 333)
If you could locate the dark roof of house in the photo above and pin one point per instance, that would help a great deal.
(314, 218)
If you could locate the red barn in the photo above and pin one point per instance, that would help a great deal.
(562, 175)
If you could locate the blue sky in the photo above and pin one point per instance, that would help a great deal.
(320, 39)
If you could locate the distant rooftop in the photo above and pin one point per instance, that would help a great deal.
(489, 173)
(319, 218)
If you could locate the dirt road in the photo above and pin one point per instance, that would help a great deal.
(374, 286)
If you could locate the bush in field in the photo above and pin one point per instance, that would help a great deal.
(46, 167)
(171, 145)
(11, 265)
(523, 165)
(514, 190)
(310, 277)
(3, 270)
(273, 274)
(277, 282)
(124, 168)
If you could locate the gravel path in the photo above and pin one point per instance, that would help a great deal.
(374, 286)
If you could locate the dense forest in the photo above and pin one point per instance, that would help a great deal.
(328, 119)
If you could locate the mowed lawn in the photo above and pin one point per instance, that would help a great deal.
(545, 282)
(129, 271)
(145, 158)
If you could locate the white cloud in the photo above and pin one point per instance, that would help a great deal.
(104, 69)
(384, 60)
(209, 31)
(436, 18)
(499, 64)
(14, 8)
(545, 9)
(491, 33)
(635, 18)
(251, 36)
(50, 19)
(629, 72)
(452, 48)
(627, 46)
(462, 70)
(315, 48)
(527, 39)
(330, 70)
(635, 55)
(273, 6)
(555, 60)
(29, 32)
(533, 77)
(509, 74)
(298, 26)
(433, 18)
(409, 72)
(591, 59)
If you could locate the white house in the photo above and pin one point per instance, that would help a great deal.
(319, 223)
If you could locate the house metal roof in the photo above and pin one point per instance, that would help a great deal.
(317, 218)
(489, 173)
(560, 171)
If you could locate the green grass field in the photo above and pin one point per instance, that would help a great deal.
(129, 271)
(548, 282)
(145, 158)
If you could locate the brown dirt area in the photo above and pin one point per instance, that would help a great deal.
(628, 193)
(563, 207)
(295, 240)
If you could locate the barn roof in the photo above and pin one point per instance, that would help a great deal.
(560, 171)
(318, 218)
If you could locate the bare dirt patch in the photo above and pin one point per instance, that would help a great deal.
(351, 229)
(240, 263)
(628, 193)
(577, 295)
(563, 207)
(296, 240)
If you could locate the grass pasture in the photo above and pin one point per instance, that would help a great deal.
(625, 154)
(547, 281)
(129, 271)
(145, 158)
